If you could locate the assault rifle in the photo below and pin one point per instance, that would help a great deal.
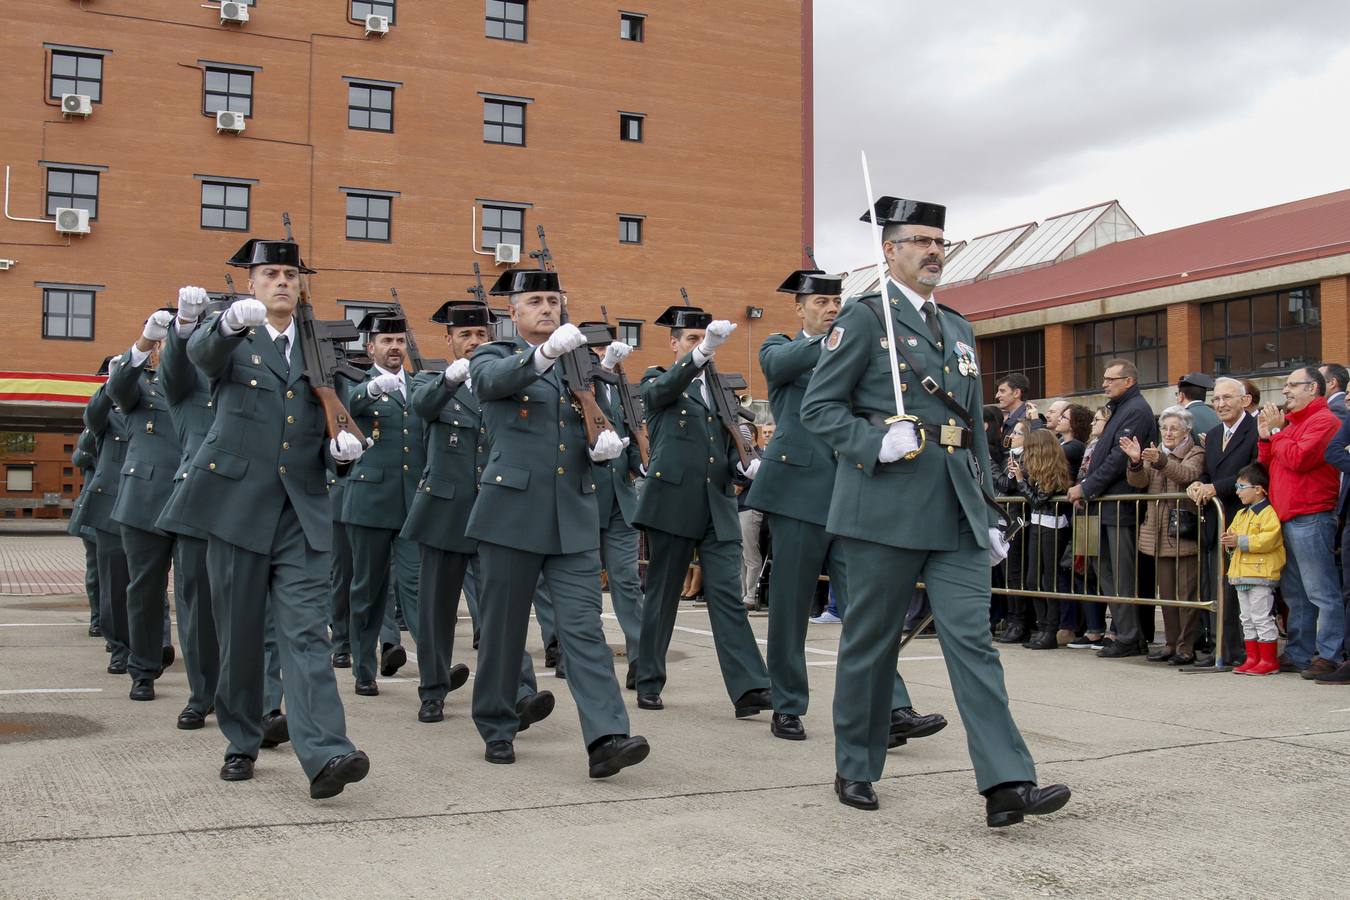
(723, 390)
(630, 400)
(414, 355)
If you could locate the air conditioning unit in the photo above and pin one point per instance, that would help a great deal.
(508, 254)
(377, 25)
(229, 121)
(7, 264)
(72, 221)
(77, 105)
(231, 11)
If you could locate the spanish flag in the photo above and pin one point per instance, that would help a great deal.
(52, 387)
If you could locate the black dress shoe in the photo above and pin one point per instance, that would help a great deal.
(459, 673)
(275, 730)
(142, 689)
(630, 681)
(367, 689)
(392, 658)
(534, 708)
(95, 631)
(551, 655)
(857, 794)
(166, 657)
(117, 668)
(1013, 634)
(1008, 804)
(1119, 650)
(337, 773)
(617, 751)
(1162, 654)
(650, 701)
(787, 726)
(342, 660)
(906, 724)
(236, 768)
(752, 703)
(190, 720)
(107, 646)
(1179, 660)
(500, 752)
(1044, 640)
(431, 711)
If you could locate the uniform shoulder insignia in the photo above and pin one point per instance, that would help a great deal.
(836, 336)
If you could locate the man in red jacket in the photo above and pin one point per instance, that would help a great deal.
(1304, 489)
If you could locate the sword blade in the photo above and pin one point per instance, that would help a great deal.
(882, 273)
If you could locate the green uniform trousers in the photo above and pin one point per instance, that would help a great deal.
(149, 556)
(91, 579)
(292, 581)
(510, 577)
(340, 590)
(800, 550)
(372, 553)
(619, 556)
(881, 581)
(196, 622)
(737, 653)
(112, 600)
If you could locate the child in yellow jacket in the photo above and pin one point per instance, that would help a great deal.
(1255, 540)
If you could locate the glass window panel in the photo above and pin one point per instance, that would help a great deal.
(377, 230)
(492, 216)
(213, 194)
(241, 83)
(1125, 335)
(236, 195)
(82, 328)
(513, 135)
(56, 302)
(94, 89)
(217, 80)
(63, 86)
(241, 105)
(215, 103)
(379, 207)
(1102, 336)
(381, 99)
(494, 29)
(63, 64)
(86, 183)
(358, 96)
(513, 114)
(511, 219)
(381, 121)
(492, 133)
(496, 9)
(56, 326)
(356, 228)
(1290, 307)
(212, 217)
(1240, 354)
(358, 118)
(81, 303)
(515, 32)
(59, 181)
(356, 205)
(89, 67)
(1265, 315)
(237, 219)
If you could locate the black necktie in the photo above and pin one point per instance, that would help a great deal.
(930, 317)
(281, 343)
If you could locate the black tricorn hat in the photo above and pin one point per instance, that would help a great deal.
(812, 281)
(257, 252)
(1197, 379)
(684, 317)
(383, 323)
(103, 366)
(894, 211)
(463, 314)
(524, 281)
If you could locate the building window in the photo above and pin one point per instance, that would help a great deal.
(68, 314)
(1262, 334)
(503, 123)
(357, 310)
(77, 73)
(1003, 355)
(229, 89)
(19, 479)
(369, 217)
(630, 229)
(73, 189)
(21, 442)
(630, 332)
(505, 327)
(370, 107)
(1141, 339)
(630, 127)
(225, 205)
(505, 20)
(630, 27)
(503, 225)
(363, 8)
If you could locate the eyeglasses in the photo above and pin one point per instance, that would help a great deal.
(1173, 429)
(1114, 377)
(1292, 383)
(1242, 486)
(923, 242)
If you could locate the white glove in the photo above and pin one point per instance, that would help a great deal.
(998, 547)
(566, 338)
(615, 354)
(607, 446)
(246, 312)
(901, 438)
(749, 471)
(157, 326)
(457, 372)
(716, 335)
(192, 302)
(345, 447)
(383, 384)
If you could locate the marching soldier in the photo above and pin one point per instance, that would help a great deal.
(379, 491)
(912, 501)
(109, 428)
(688, 503)
(793, 487)
(536, 513)
(85, 458)
(258, 486)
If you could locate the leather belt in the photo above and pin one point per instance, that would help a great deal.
(949, 435)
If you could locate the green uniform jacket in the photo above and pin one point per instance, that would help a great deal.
(614, 477)
(538, 490)
(268, 443)
(796, 473)
(153, 452)
(109, 428)
(192, 410)
(456, 450)
(85, 458)
(912, 504)
(382, 483)
(692, 463)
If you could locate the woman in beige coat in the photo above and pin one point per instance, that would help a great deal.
(1169, 470)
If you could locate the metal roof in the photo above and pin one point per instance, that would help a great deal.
(981, 253)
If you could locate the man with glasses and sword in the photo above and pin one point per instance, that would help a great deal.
(897, 394)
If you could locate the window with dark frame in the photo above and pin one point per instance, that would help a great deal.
(503, 122)
(505, 20)
(630, 27)
(1262, 334)
(630, 229)
(630, 127)
(369, 217)
(363, 8)
(505, 328)
(76, 73)
(355, 311)
(73, 189)
(228, 89)
(630, 332)
(1142, 339)
(67, 314)
(19, 479)
(502, 225)
(1005, 354)
(225, 205)
(370, 107)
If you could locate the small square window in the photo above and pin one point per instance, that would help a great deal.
(630, 127)
(630, 332)
(228, 89)
(370, 107)
(505, 20)
(68, 314)
(225, 205)
(630, 27)
(369, 217)
(19, 479)
(505, 327)
(363, 8)
(630, 229)
(72, 189)
(76, 73)
(502, 225)
(503, 123)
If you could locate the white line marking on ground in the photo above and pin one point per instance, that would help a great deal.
(54, 691)
(40, 624)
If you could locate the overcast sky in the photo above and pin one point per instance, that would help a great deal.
(1183, 110)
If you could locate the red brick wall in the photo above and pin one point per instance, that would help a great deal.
(1333, 300)
(1183, 340)
(50, 460)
